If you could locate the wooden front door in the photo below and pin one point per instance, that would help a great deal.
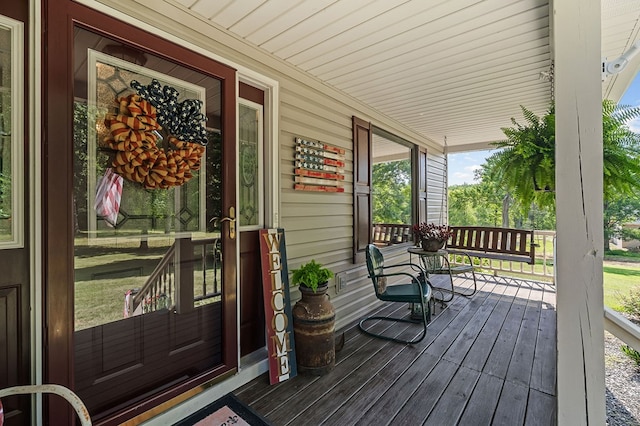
(15, 348)
(149, 286)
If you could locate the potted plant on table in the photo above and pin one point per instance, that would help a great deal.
(432, 237)
(314, 319)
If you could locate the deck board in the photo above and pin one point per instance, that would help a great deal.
(500, 356)
(420, 403)
(483, 401)
(521, 362)
(479, 352)
(543, 375)
(512, 405)
(452, 403)
(486, 359)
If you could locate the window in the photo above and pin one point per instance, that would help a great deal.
(389, 182)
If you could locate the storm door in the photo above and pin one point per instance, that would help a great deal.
(154, 222)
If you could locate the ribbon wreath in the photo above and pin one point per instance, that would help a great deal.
(134, 136)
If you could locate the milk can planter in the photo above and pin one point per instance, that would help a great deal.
(314, 319)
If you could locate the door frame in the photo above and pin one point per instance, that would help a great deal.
(57, 232)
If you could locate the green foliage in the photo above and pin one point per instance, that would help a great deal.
(392, 192)
(621, 150)
(620, 209)
(526, 163)
(464, 208)
(481, 204)
(622, 255)
(310, 275)
(631, 353)
(630, 303)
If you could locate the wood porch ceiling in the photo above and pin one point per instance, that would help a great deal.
(490, 358)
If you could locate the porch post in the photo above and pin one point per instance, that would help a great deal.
(576, 44)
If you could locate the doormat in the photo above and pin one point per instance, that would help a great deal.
(228, 410)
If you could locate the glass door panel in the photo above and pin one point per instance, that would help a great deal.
(149, 262)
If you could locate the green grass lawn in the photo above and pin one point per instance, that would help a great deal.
(619, 279)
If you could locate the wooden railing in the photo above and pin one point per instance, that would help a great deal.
(386, 234)
(622, 328)
(159, 290)
(211, 253)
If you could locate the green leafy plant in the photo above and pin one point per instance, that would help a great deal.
(631, 353)
(630, 302)
(311, 275)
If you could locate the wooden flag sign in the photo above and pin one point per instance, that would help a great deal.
(318, 166)
(277, 306)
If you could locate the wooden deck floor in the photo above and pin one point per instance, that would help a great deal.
(488, 359)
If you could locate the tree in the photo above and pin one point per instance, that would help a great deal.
(618, 211)
(475, 204)
(392, 192)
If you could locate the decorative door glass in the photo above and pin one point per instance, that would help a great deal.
(250, 165)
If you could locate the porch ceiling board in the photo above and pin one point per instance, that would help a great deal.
(455, 68)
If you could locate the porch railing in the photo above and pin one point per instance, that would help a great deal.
(390, 233)
(622, 328)
(543, 267)
(159, 290)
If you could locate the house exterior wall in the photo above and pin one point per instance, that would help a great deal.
(318, 225)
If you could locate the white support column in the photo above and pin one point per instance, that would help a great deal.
(581, 390)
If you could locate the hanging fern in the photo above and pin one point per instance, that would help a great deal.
(526, 163)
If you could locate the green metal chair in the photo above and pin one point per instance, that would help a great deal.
(417, 290)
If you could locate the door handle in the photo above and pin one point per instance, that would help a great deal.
(231, 219)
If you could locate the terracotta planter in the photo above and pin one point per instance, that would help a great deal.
(314, 325)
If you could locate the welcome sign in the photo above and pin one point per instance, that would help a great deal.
(277, 305)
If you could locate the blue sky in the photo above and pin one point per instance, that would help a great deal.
(462, 165)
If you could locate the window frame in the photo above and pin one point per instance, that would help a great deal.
(16, 29)
(363, 132)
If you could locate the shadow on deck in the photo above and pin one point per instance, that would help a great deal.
(489, 359)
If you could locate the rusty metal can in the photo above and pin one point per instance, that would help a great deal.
(314, 320)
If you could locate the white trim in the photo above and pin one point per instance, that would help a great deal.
(580, 309)
(35, 204)
(16, 29)
(271, 90)
(618, 325)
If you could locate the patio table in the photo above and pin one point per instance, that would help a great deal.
(437, 262)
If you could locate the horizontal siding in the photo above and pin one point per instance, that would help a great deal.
(436, 187)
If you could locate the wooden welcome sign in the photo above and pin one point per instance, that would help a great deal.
(277, 305)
